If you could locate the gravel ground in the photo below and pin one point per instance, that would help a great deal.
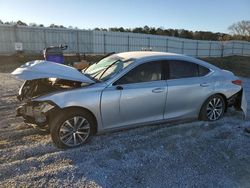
(197, 154)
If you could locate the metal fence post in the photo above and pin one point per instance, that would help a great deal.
(77, 42)
(15, 33)
(210, 46)
(45, 38)
(222, 48)
(242, 50)
(128, 43)
(104, 43)
(148, 43)
(15, 37)
(248, 50)
(233, 48)
(182, 47)
(197, 45)
(166, 45)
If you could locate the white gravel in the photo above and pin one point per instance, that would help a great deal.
(193, 154)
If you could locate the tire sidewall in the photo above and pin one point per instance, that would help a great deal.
(56, 123)
(203, 112)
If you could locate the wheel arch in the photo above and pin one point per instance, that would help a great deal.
(80, 108)
(221, 94)
(225, 99)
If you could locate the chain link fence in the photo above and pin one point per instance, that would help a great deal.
(32, 40)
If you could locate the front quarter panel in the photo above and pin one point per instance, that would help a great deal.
(88, 98)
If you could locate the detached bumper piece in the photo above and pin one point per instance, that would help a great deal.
(235, 100)
(238, 101)
(35, 113)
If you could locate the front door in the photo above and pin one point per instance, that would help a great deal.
(137, 97)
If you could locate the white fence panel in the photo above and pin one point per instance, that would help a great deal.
(32, 40)
(7, 40)
(35, 39)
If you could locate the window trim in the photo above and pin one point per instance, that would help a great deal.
(197, 64)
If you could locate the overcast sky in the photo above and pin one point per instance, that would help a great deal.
(205, 15)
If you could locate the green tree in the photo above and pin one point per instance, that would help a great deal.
(146, 29)
(33, 24)
(138, 30)
(185, 34)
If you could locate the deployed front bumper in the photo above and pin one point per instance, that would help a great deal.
(35, 113)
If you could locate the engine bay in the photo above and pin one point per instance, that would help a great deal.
(38, 87)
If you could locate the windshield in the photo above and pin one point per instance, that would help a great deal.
(107, 67)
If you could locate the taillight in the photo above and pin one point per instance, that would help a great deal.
(237, 82)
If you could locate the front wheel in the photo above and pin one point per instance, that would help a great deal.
(213, 108)
(72, 128)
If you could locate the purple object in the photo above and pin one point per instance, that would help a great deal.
(55, 58)
(54, 54)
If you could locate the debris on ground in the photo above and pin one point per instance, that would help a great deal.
(193, 154)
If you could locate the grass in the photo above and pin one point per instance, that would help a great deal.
(239, 65)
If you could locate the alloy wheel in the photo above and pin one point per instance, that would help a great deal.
(214, 108)
(74, 131)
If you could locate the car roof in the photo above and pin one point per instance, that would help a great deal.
(150, 54)
(144, 54)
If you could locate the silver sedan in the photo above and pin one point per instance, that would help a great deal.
(124, 90)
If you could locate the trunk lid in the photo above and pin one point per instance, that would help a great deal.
(45, 69)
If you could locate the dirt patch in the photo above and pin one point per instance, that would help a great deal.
(191, 154)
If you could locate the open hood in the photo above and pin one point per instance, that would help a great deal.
(46, 69)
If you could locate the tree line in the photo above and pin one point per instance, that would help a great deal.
(238, 31)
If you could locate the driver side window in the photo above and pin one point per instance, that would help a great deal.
(147, 72)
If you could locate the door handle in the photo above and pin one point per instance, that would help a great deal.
(157, 90)
(119, 87)
(204, 84)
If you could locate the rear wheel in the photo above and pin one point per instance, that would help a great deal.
(72, 128)
(213, 108)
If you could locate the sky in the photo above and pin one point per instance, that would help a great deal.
(195, 15)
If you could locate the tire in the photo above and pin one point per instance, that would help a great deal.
(213, 108)
(72, 128)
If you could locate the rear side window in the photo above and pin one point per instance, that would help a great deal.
(184, 69)
(203, 70)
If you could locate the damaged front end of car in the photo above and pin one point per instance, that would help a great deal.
(42, 78)
(36, 112)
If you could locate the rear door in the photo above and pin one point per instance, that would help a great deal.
(188, 88)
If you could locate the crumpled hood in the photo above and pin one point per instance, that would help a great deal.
(46, 69)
